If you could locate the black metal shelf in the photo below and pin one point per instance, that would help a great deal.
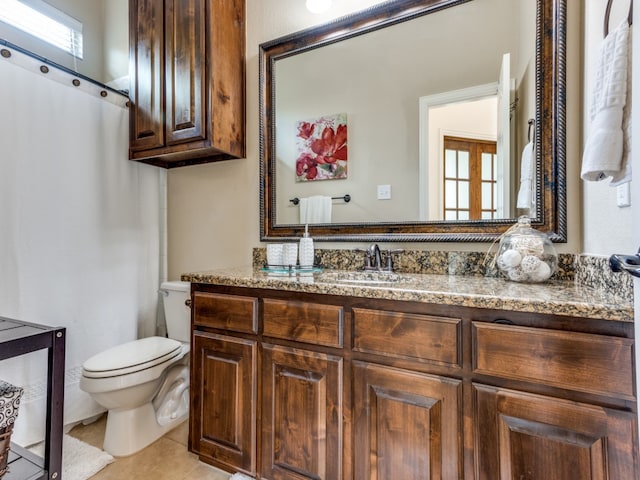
(18, 338)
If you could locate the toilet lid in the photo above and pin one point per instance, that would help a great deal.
(132, 357)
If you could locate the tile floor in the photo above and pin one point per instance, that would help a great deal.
(165, 459)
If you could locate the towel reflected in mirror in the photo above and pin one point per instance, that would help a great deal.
(315, 209)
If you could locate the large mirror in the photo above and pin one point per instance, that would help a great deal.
(416, 120)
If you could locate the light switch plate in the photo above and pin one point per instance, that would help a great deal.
(623, 195)
(384, 192)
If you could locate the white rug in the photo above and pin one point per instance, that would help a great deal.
(240, 476)
(80, 460)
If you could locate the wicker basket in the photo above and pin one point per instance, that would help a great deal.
(9, 402)
(5, 444)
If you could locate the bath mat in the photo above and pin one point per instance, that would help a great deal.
(80, 460)
(240, 476)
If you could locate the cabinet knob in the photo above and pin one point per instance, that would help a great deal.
(187, 302)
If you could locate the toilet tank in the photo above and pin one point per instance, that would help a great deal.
(176, 311)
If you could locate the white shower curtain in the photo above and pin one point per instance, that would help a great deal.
(79, 229)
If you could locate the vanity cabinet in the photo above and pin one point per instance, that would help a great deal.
(302, 390)
(406, 424)
(338, 387)
(301, 428)
(520, 434)
(223, 382)
(523, 435)
(187, 81)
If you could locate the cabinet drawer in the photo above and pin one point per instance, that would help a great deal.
(583, 362)
(228, 312)
(407, 335)
(304, 322)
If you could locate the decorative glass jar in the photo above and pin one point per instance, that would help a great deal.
(525, 254)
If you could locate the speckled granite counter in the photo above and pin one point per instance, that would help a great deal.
(556, 297)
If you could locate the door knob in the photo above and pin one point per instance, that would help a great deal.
(626, 263)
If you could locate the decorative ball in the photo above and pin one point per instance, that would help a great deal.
(542, 273)
(517, 275)
(528, 245)
(530, 264)
(511, 258)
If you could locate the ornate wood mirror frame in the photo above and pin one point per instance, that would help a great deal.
(549, 129)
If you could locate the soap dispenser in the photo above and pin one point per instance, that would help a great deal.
(305, 252)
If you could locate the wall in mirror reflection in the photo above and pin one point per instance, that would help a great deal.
(378, 80)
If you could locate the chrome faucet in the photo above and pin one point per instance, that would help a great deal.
(375, 259)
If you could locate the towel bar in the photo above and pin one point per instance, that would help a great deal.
(346, 198)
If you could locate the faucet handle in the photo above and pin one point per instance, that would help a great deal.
(367, 257)
(390, 254)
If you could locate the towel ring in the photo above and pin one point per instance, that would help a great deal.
(532, 124)
(607, 14)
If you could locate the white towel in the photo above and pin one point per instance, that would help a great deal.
(526, 194)
(316, 209)
(624, 175)
(602, 157)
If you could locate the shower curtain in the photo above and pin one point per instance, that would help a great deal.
(79, 229)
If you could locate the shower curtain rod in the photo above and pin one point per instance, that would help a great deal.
(48, 62)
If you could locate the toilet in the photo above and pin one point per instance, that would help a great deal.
(144, 384)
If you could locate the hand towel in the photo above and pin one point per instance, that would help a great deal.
(624, 175)
(603, 151)
(316, 209)
(527, 172)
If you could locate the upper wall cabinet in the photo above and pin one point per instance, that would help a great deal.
(187, 81)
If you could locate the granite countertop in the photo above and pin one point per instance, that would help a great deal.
(555, 297)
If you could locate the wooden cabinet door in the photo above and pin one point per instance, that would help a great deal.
(185, 57)
(407, 425)
(301, 414)
(223, 401)
(146, 40)
(530, 437)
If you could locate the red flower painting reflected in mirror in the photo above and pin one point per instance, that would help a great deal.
(322, 148)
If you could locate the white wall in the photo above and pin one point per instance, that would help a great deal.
(214, 209)
(116, 40)
(607, 227)
(377, 81)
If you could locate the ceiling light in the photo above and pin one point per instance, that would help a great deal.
(318, 6)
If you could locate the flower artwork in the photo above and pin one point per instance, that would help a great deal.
(321, 148)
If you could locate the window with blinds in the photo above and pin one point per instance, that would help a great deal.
(45, 22)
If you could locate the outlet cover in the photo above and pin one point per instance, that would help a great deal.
(384, 192)
(623, 195)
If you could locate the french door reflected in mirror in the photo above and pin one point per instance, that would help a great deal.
(470, 179)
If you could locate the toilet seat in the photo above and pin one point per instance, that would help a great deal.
(132, 357)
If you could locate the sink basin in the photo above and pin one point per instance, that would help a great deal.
(363, 278)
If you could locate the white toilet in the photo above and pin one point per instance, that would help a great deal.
(144, 384)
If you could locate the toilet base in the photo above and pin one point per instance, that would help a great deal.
(129, 431)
